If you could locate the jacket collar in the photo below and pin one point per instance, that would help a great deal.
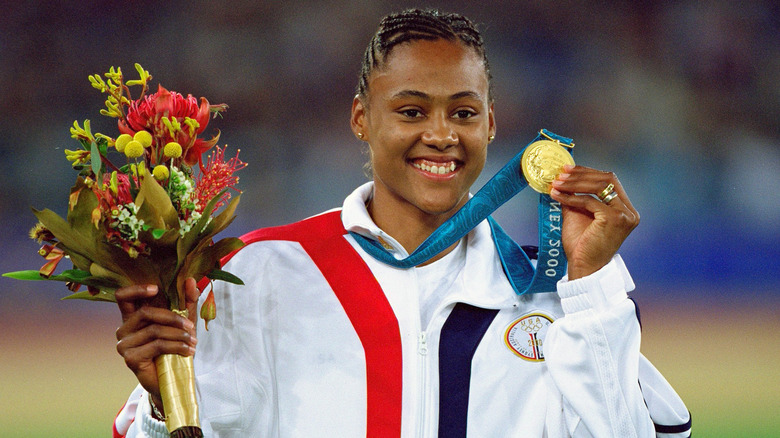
(484, 282)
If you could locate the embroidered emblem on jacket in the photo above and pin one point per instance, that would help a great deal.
(525, 336)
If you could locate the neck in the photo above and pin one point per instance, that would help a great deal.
(409, 227)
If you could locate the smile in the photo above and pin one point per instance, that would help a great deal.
(435, 168)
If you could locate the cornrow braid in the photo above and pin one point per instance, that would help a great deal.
(418, 24)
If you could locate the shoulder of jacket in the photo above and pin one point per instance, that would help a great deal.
(314, 227)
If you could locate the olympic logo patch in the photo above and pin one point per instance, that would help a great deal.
(525, 336)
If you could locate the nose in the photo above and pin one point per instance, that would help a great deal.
(439, 133)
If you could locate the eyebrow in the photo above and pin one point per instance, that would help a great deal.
(425, 96)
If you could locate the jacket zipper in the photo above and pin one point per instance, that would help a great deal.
(422, 352)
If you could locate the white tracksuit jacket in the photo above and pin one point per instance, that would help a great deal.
(290, 356)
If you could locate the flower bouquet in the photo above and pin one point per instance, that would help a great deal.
(150, 220)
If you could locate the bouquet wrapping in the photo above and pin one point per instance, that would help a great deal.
(151, 219)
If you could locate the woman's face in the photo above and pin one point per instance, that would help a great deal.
(427, 120)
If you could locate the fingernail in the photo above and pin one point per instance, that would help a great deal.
(554, 192)
(192, 350)
(188, 325)
(563, 176)
(191, 339)
(568, 167)
(151, 288)
(557, 182)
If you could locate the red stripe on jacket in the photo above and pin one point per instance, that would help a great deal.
(372, 317)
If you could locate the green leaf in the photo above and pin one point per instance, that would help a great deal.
(80, 217)
(102, 145)
(154, 205)
(193, 236)
(224, 218)
(219, 274)
(70, 275)
(157, 233)
(94, 157)
(25, 275)
(75, 275)
(85, 295)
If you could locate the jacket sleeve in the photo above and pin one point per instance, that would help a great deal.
(607, 388)
(135, 419)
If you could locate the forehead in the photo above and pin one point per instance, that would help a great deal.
(436, 68)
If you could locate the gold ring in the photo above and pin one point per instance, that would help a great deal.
(606, 192)
(609, 197)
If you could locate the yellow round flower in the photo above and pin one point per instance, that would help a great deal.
(160, 172)
(143, 137)
(172, 150)
(134, 149)
(122, 141)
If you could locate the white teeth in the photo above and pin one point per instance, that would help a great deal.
(439, 169)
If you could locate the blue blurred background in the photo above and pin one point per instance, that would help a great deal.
(680, 98)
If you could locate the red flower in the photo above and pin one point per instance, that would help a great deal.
(147, 114)
(217, 176)
(107, 198)
(53, 255)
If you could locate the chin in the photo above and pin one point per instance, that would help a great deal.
(438, 207)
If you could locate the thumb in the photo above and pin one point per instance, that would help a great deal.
(191, 295)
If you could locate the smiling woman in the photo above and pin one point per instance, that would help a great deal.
(427, 120)
(341, 341)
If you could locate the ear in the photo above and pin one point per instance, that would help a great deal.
(358, 120)
(491, 122)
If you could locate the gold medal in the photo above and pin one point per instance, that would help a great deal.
(542, 161)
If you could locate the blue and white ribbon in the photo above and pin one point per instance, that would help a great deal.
(506, 183)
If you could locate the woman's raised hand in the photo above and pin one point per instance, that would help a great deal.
(594, 227)
(150, 329)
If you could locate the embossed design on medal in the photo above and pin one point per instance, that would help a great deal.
(525, 336)
(542, 161)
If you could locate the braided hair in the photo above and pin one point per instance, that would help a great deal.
(416, 24)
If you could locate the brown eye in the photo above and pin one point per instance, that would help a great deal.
(412, 113)
(464, 114)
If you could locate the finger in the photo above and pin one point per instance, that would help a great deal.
(581, 179)
(620, 221)
(144, 355)
(623, 196)
(585, 180)
(128, 298)
(148, 315)
(580, 202)
(168, 336)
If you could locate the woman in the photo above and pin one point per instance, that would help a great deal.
(326, 340)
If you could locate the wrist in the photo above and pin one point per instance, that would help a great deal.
(155, 402)
(575, 272)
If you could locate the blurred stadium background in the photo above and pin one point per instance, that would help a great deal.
(680, 98)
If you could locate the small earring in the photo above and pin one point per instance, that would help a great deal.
(490, 139)
(360, 135)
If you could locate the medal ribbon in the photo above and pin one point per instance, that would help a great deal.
(506, 183)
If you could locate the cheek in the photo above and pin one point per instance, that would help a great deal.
(389, 145)
(478, 157)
